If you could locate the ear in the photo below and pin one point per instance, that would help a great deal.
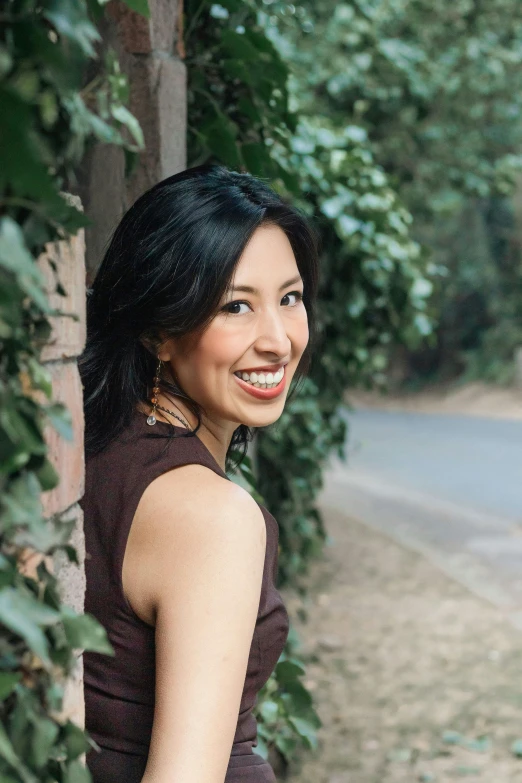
(160, 346)
(150, 344)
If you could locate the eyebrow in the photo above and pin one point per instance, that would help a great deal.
(249, 290)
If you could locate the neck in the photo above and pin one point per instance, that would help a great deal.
(216, 437)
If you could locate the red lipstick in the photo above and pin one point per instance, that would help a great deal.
(262, 394)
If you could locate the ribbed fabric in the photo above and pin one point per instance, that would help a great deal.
(119, 691)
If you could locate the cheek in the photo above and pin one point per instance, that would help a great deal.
(218, 348)
(300, 333)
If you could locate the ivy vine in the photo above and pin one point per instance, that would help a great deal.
(48, 118)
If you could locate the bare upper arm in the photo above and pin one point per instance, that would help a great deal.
(201, 542)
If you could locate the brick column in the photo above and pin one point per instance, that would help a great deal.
(59, 356)
(150, 54)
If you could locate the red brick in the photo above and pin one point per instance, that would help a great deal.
(68, 335)
(139, 35)
(158, 100)
(66, 456)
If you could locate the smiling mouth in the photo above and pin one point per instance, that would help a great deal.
(262, 380)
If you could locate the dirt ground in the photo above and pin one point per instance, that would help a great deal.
(473, 399)
(414, 678)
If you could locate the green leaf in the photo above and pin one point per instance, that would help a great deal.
(75, 740)
(8, 680)
(40, 376)
(257, 159)
(269, 711)
(248, 107)
(140, 6)
(8, 753)
(6, 61)
(60, 417)
(71, 554)
(298, 696)
(288, 671)
(305, 730)
(48, 108)
(23, 506)
(47, 475)
(285, 744)
(24, 615)
(71, 21)
(220, 137)
(123, 115)
(45, 732)
(21, 168)
(85, 632)
(239, 47)
(15, 257)
(77, 773)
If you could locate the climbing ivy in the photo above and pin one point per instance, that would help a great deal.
(48, 116)
(438, 88)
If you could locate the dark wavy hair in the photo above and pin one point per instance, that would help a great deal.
(167, 266)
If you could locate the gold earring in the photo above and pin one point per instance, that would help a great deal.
(155, 390)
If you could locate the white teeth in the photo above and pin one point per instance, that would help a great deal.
(262, 380)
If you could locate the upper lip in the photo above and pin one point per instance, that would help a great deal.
(267, 368)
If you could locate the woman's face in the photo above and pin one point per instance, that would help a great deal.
(260, 329)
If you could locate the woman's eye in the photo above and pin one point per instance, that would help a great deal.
(232, 307)
(298, 295)
(228, 308)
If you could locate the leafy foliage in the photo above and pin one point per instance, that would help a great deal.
(47, 119)
(286, 716)
(437, 86)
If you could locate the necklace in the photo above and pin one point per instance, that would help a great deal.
(161, 408)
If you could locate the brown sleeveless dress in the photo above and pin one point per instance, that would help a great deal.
(119, 691)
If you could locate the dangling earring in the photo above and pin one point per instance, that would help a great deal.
(154, 400)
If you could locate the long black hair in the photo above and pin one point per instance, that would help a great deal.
(167, 266)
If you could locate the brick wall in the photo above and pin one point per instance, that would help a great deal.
(65, 344)
(150, 54)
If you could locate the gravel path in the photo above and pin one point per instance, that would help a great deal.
(414, 678)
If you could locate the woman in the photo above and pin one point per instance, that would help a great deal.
(198, 321)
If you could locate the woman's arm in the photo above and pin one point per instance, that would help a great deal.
(200, 543)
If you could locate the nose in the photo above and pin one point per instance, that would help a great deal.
(272, 335)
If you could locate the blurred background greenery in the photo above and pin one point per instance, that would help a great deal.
(431, 91)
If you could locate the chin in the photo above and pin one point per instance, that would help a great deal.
(264, 419)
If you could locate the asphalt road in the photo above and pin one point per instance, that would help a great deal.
(448, 486)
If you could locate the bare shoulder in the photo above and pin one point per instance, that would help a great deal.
(184, 516)
(196, 493)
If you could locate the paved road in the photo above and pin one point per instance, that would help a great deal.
(449, 486)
